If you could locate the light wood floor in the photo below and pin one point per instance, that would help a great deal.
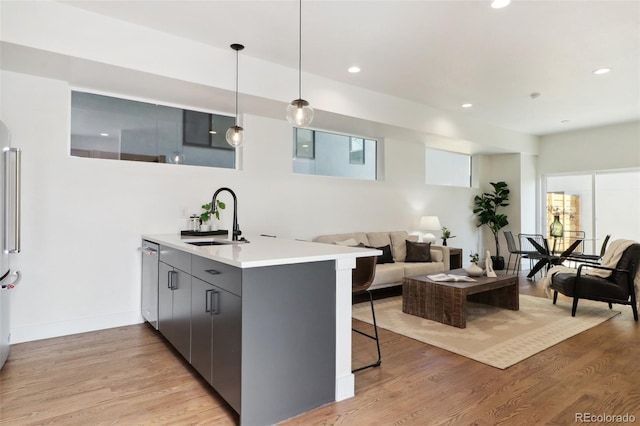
(130, 376)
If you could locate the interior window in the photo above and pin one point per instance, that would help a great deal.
(122, 129)
(330, 154)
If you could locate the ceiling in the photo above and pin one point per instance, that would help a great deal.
(438, 53)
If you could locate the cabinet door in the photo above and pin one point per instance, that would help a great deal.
(174, 307)
(227, 340)
(201, 332)
(182, 313)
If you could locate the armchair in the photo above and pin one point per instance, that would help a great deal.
(618, 288)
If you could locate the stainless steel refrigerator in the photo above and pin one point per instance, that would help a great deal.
(9, 232)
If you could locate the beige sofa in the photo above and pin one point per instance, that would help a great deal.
(391, 274)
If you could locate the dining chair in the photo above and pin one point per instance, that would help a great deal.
(583, 257)
(528, 249)
(513, 250)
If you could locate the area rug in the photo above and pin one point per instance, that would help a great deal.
(493, 336)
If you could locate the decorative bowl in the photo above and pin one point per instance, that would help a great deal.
(474, 270)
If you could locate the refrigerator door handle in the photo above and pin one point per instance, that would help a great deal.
(12, 193)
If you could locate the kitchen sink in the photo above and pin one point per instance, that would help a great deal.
(209, 243)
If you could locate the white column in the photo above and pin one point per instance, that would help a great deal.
(345, 380)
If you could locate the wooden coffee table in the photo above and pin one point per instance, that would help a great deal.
(446, 302)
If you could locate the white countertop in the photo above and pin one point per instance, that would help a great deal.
(262, 251)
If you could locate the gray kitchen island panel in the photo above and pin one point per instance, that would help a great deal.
(288, 340)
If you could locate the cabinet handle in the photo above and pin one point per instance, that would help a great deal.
(171, 285)
(213, 271)
(207, 301)
(215, 305)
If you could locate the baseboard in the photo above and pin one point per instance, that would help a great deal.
(29, 333)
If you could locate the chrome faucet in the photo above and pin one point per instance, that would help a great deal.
(235, 233)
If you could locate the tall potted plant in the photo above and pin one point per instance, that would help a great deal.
(486, 208)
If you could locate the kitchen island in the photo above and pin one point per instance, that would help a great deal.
(266, 323)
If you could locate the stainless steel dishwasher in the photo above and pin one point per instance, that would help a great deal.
(149, 303)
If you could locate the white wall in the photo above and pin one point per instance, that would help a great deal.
(507, 168)
(82, 218)
(602, 148)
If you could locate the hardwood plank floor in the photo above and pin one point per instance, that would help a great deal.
(130, 375)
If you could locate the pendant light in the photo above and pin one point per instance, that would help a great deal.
(299, 112)
(235, 134)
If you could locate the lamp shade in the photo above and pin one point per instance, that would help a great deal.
(430, 223)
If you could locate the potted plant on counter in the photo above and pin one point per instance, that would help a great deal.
(205, 216)
(486, 208)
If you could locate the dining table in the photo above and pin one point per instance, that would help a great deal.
(546, 257)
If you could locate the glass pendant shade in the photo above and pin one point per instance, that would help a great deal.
(176, 158)
(556, 227)
(299, 113)
(235, 136)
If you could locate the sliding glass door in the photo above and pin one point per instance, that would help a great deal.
(618, 204)
(597, 203)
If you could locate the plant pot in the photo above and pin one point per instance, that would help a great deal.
(474, 270)
(497, 262)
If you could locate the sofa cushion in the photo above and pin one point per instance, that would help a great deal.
(379, 239)
(386, 255)
(387, 273)
(421, 268)
(398, 245)
(437, 256)
(418, 252)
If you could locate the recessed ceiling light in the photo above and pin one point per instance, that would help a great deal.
(467, 105)
(354, 70)
(104, 134)
(499, 4)
(601, 71)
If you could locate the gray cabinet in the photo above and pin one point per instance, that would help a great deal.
(263, 337)
(201, 328)
(216, 328)
(216, 337)
(174, 307)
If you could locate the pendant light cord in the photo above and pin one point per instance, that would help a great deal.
(300, 51)
(236, 88)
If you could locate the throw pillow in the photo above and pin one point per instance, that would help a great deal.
(418, 252)
(386, 255)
